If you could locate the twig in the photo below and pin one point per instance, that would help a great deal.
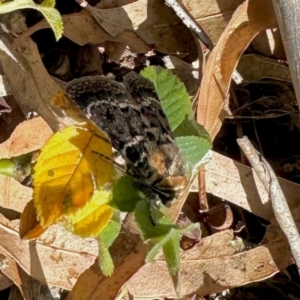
(43, 24)
(190, 23)
(288, 17)
(279, 203)
(203, 203)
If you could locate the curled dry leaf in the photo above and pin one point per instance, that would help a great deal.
(249, 19)
(115, 50)
(4, 107)
(220, 217)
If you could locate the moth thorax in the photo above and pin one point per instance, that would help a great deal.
(167, 161)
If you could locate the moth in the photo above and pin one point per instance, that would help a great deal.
(131, 115)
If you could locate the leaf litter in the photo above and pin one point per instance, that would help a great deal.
(222, 259)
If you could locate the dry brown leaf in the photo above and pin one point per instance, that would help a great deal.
(143, 26)
(9, 267)
(212, 15)
(219, 262)
(31, 85)
(5, 89)
(129, 254)
(56, 258)
(35, 289)
(114, 50)
(269, 43)
(13, 195)
(81, 28)
(15, 294)
(5, 282)
(253, 67)
(112, 3)
(138, 25)
(238, 184)
(154, 20)
(249, 19)
(27, 137)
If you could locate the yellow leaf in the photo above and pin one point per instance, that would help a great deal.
(90, 220)
(30, 228)
(72, 164)
(34, 233)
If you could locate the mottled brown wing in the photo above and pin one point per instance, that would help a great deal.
(131, 116)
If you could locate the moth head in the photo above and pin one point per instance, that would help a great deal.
(171, 188)
(170, 173)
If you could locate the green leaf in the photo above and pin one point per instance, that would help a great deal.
(193, 149)
(171, 252)
(105, 261)
(170, 245)
(191, 127)
(105, 240)
(48, 3)
(149, 229)
(125, 194)
(52, 15)
(17, 167)
(172, 94)
(174, 232)
(172, 256)
(162, 234)
(192, 138)
(159, 242)
(194, 143)
(111, 231)
(7, 167)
